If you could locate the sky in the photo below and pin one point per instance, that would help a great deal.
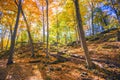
(109, 10)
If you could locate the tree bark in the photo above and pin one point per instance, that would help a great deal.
(9, 36)
(11, 51)
(2, 33)
(76, 30)
(92, 18)
(2, 38)
(47, 53)
(28, 31)
(43, 23)
(57, 24)
(7, 42)
(83, 40)
(11, 30)
(29, 34)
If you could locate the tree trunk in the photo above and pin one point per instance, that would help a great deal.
(76, 30)
(11, 31)
(92, 18)
(47, 53)
(21, 45)
(2, 38)
(65, 38)
(29, 35)
(28, 31)
(77, 35)
(57, 24)
(104, 21)
(83, 40)
(70, 38)
(11, 51)
(10, 36)
(7, 42)
(43, 24)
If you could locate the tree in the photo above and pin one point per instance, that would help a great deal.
(28, 31)
(47, 28)
(82, 36)
(91, 5)
(11, 51)
(43, 23)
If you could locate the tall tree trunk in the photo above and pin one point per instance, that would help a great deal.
(9, 36)
(43, 23)
(21, 45)
(103, 19)
(57, 24)
(92, 15)
(28, 31)
(77, 35)
(65, 38)
(2, 38)
(11, 31)
(2, 33)
(76, 30)
(29, 34)
(92, 18)
(11, 51)
(7, 42)
(70, 38)
(1, 43)
(83, 40)
(47, 53)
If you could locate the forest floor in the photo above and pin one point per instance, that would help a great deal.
(66, 64)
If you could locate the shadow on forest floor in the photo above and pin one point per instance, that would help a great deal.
(3, 73)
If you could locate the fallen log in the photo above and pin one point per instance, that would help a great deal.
(79, 59)
(34, 61)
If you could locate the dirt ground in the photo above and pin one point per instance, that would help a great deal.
(106, 57)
